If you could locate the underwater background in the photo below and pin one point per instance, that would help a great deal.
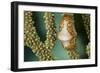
(58, 52)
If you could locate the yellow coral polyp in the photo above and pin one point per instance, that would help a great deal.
(32, 40)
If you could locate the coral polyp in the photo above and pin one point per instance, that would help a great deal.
(31, 39)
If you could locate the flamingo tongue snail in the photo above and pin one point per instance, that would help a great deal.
(68, 35)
